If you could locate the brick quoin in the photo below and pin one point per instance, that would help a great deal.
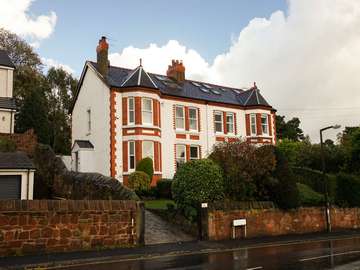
(112, 134)
(224, 123)
(235, 124)
(274, 126)
(270, 124)
(199, 121)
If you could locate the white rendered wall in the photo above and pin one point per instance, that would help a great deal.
(7, 121)
(6, 81)
(93, 95)
(27, 181)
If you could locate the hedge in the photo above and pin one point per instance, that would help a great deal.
(348, 190)
(309, 197)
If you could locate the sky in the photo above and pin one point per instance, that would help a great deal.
(303, 54)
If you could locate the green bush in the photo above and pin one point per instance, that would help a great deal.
(164, 188)
(314, 179)
(7, 145)
(283, 189)
(348, 190)
(139, 181)
(195, 182)
(309, 197)
(146, 165)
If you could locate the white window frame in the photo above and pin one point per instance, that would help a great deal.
(177, 157)
(88, 111)
(176, 117)
(198, 152)
(147, 111)
(194, 119)
(232, 122)
(132, 100)
(222, 121)
(152, 156)
(266, 124)
(253, 124)
(131, 144)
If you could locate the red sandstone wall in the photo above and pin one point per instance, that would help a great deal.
(28, 227)
(274, 222)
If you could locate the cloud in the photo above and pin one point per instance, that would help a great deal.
(48, 62)
(305, 61)
(14, 16)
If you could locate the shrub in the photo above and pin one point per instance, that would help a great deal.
(244, 167)
(314, 179)
(139, 181)
(348, 190)
(164, 188)
(195, 182)
(283, 190)
(7, 145)
(146, 165)
(309, 197)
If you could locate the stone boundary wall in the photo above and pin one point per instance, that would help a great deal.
(25, 142)
(45, 226)
(217, 224)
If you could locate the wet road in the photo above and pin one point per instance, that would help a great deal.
(336, 254)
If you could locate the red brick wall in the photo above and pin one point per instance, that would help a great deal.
(272, 222)
(28, 227)
(25, 142)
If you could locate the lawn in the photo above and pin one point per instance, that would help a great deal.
(158, 204)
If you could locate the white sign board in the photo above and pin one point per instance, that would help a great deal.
(204, 205)
(239, 222)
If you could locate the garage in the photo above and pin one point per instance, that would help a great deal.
(16, 176)
(10, 187)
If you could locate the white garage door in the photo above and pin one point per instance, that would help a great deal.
(10, 187)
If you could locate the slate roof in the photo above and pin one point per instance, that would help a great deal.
(7, 103)
(84, 144)
(5, 59)
(121, 77)
(15, 160)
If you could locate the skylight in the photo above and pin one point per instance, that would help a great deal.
(207, 86)
(236, 91)
(161, 78)
(196, 84)
(204, 90)
(215, 91)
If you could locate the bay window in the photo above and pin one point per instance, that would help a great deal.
(147, 111)
(179, 117)
(253, 123)
(219, 124)
(230, 122)
(264, 124)
(193, 121)
(131, 155)
(131, 110)
(180, 154)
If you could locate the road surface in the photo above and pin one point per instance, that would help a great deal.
(335, 254)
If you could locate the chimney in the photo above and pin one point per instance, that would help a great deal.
(102, 57)
(176, 71)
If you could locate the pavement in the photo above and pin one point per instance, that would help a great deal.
(79, 260)
(159, 231)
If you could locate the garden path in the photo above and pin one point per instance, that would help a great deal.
(159, 231)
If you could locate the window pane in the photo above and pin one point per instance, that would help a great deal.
(180, 155)
(264, 123)
(179, 111)
(147, 104)
(218, 127)
(131, 155)
(131, 148)
(193, 124)
(148, 149)
(131, 103)
(131, 117)
(194, 152)
(230, 122)
(147, 117)
(132, 162)
(179, 123)
(192, 113)
(218, 117)
(253, 123)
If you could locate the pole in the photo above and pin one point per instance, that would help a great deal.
(327, 203)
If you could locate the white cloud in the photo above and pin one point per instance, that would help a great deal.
(14, 16)
(48, 62)
(306, 63)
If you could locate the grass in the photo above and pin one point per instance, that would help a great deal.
(158, 204)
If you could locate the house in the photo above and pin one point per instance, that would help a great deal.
(16, 169)
(7, 103)
(120, 116)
